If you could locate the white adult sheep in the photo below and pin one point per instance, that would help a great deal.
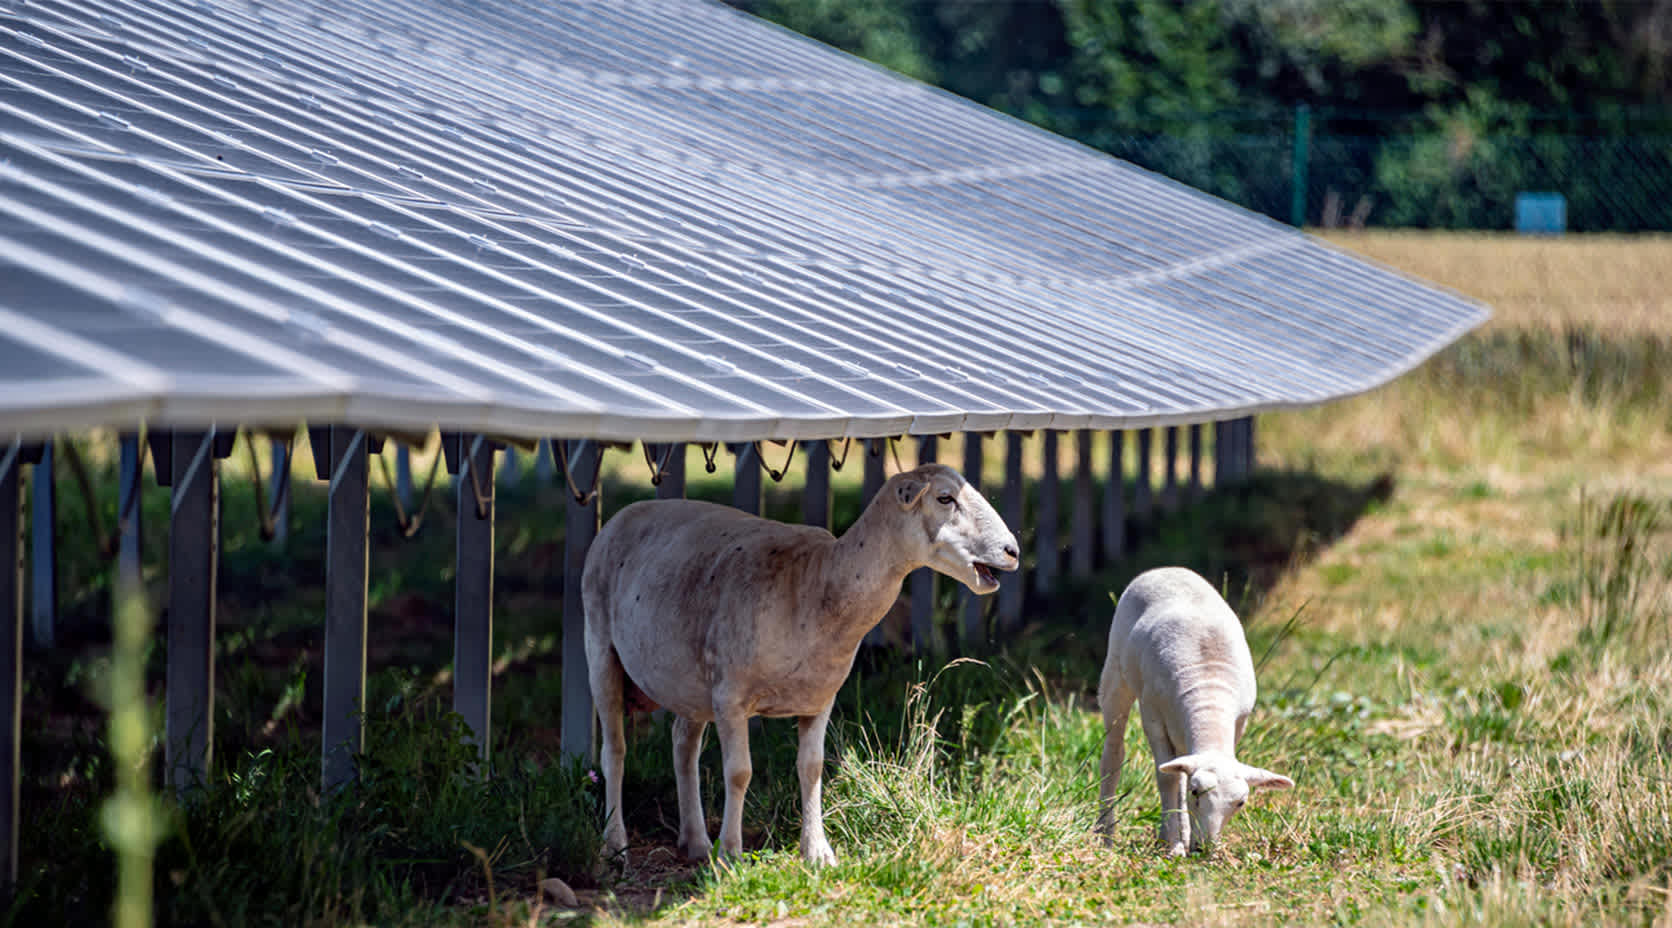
(718, 616)
(1176, 647)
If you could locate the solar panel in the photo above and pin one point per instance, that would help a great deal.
(659, 219)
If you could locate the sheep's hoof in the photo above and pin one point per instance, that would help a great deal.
(615, 841)
(696, 849)
(819, 855)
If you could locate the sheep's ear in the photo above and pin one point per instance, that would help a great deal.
(910, 491)
(1265, 779)
(1186, 765)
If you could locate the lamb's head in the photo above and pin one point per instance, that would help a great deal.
(962, 536)
(1218, 785)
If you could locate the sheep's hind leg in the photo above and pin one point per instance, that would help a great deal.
(607, 680)
(693, 826)
(809, 763)
(1117, 708)
(732, 727)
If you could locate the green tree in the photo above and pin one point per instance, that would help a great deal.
(1160, 63)
(1342, 53)
(1586, 56)
(881, 31)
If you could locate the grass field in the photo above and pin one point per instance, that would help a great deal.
(1459, 589)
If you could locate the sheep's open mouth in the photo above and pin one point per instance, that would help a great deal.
(987, 574)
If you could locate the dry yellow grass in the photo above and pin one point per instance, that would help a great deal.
(1617, 283)
(1426, 428)
(1490, 485)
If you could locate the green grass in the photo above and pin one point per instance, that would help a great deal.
(1459, 590)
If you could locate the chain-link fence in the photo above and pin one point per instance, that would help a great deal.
(1403, 172)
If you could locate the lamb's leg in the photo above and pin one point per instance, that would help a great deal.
(732, 727)
(1117, 708)
(607, 693)
(1175, 817)
(693, 826)
(809, 763)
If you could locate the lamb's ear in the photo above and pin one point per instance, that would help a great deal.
(1185, 765)
(910, 491)
(1265, 779)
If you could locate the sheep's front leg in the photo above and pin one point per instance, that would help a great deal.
(1117, 709)
(809, 763)
(693, 826)
(732, 726)
(1175, 817)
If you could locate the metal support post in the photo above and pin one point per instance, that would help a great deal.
(1195, 460)
(1114, 500)
(873, 481)
(923, 579)
(673, 472)
(193, 565)
(1170, 470)
(347, 522)
(747, 489)
(510, 468)
(403, 476)
(1014, 504)
(130, 503)
(816, 498)
(1221, 457)
(1236, 451)
(11, 661)
(1245, 445)
(1230, 458)
(545, 465)
(582, 521)
(1082, 554)
(875, 475)
(1233, 450)
(1143, 494)
(975, 607)
(1050, 505)
(473, 595)
(43, 550)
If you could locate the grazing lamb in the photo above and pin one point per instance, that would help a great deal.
(1178, 649)
(718, 616)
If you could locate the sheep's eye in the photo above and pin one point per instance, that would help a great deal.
(945, 498)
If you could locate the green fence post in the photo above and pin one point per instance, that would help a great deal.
(1303, 136)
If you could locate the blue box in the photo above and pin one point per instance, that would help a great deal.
(1540, 213)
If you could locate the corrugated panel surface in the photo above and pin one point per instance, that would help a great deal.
(661, 220)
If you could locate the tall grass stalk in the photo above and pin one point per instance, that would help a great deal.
(1624, 580)
(133, 820)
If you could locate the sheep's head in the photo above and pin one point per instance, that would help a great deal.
(1218, 786)
(965, 538)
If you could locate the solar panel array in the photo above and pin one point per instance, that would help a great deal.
(657, 219)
